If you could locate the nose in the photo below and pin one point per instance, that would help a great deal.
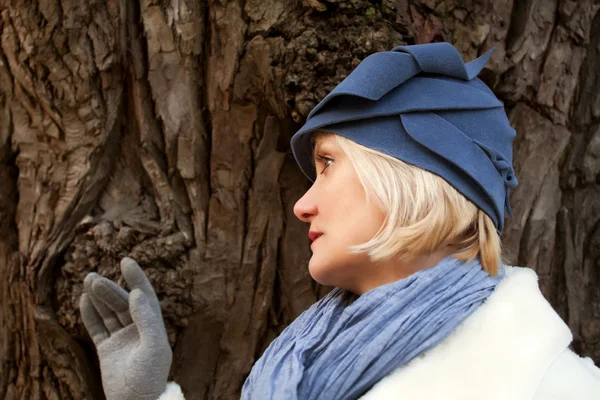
(306, 207)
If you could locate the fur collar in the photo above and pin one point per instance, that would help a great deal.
(502, 351)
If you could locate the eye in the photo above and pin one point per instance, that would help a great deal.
(324, 160)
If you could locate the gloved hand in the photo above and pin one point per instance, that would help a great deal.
(129, 334)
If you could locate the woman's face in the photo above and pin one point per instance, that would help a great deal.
(336, 208)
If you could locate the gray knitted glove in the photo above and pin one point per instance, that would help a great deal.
(129, 334)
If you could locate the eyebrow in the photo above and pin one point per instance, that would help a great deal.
(315, 146)
(314, 152)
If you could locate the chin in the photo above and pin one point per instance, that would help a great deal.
(320, 273)
(328, 274)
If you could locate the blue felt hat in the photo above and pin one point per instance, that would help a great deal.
(422, 104)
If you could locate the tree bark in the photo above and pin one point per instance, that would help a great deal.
(160, 130)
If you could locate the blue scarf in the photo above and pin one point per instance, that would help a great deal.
(343, 344)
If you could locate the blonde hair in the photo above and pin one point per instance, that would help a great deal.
(437, 215)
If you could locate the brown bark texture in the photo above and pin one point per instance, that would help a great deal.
(160, 130)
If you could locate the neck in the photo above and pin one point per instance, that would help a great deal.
(393, 270)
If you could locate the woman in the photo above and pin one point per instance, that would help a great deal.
(411, 161)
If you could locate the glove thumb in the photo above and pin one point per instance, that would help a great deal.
(149, 325)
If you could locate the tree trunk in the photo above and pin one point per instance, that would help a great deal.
(160, 130)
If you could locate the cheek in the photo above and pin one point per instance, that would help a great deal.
(376, 218)
(362, 227)
(360, 219)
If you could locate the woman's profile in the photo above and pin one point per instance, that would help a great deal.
(411, 162)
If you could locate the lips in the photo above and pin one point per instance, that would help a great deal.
(314, 235)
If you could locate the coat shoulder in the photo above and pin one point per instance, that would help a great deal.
(570, 378)
(502, 351)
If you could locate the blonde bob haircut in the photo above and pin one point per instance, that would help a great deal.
(423, 211)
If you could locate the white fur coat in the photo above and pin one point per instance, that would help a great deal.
(514, 347)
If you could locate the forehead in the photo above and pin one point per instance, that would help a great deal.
(321, 138)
